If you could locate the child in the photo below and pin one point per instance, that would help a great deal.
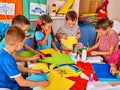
(70, 28)
(23, 23)
(44, 37)
(108, 39)
(10, 76)
(113, 61)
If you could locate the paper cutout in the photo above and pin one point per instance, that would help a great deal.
(80, 83)
(103, 73)
(69, 42)
(42, 66)
(58, 58)
(37, 9)
(59, 83)
(48, 51)
(38, 77)
(27, 53)
(64, 71)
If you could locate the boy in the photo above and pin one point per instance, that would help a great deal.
(70, 28)
(23, 23)
(10, 76)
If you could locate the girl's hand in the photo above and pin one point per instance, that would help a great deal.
(94, 53)
(113, 70)
(47, 32)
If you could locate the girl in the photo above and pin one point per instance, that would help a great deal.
(108, 39)
(44, 37)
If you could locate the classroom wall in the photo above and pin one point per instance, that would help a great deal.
(114, 9)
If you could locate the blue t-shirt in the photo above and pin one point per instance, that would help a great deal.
(2, 43)
(40, 36)
(8, 70)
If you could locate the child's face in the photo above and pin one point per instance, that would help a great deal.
(25, 27)
(71, 23)
(101, 32)
(47, 26)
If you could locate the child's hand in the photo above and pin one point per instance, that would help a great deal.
(38, 72)
(64, 36)
(44, 83)
(78, 35)
(47, 32)
(94, 53)
(113, 70)
(35, 57)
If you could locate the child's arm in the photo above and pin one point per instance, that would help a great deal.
(22, 59)
(109, 52)
(23, 82)
(95, 46)
(29, 70)
(54, 46)
(31, 49)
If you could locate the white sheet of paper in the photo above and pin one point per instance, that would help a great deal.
(37, 9)
(7, 8)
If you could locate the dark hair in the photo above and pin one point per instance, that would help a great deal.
(14, 34)
(45, 19)
(71, 15)
(104, 23)
(20, 19)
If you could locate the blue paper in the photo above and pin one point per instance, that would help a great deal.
(38, 77)
(103, 73)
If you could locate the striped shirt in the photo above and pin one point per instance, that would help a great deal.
(106, 41)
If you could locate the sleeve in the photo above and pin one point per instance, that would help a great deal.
(78, 29)
(115, 57)
(38, 36)
(2, 43)
(114, 40)
(10, 67)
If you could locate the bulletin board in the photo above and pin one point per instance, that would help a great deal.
(17, 10)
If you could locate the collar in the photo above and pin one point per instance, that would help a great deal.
(6, 50)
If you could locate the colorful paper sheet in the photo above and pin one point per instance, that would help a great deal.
(58, 58)
(64, 71)
(48, 51)
(42, 66)
(59, 83)
(69, 42)
(103, 73)
(27, 53)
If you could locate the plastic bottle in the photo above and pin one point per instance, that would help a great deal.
(84, 54)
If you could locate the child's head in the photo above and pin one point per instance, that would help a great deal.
(21, 22)
(71, 18)
(14, 37)
(103, 25)
(44, 23)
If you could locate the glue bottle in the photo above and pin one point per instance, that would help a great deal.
(84, 54)
(91, 79)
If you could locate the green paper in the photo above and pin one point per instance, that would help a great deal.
(27, 53)
(26, 8)
(59, 58)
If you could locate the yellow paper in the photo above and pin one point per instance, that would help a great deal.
(42, 66)
(48, 51)
(59, 83)
(65, 71)
(69, 42)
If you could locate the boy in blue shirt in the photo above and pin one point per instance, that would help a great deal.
(10, 76)
(23, 23)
